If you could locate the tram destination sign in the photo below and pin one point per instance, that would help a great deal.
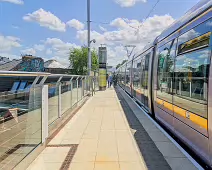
(102, 57)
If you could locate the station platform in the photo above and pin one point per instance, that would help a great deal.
(110, 132)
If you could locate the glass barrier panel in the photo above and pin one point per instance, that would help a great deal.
(79, 89)
(96, 83)
(66, 97)
(53, 94)
(74, 92)
(85, 86)
(20, 125)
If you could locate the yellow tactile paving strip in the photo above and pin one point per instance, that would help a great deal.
(103, 136)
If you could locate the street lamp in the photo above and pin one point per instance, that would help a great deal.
(89, 36)
(94, 41)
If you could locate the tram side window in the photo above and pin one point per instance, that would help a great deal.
(138, 72)
(142, 72)
(142, 76)
(146, 70)
(165, 71)
(122, 74)
(135, 75)
(192, 70)
(128, 72)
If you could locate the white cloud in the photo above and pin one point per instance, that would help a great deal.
(125, 33)
(58, 44)
(9, 42)
(29, 51)
(119, 23)
(48, 51)
(9, 55)
(39, 47)
(102, 28)
(128, 3)
(46, 19)
(59, 49)
(116, 54)
(75, 24)
(18, 2)
(82, 36)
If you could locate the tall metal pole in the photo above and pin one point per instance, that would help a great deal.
(89, 37)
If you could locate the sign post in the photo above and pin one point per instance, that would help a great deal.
(102, 68)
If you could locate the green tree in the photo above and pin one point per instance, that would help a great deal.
(79, 58)
(124, 61)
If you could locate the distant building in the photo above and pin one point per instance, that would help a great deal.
(53, 66)
(31, 63)
(8, 66)
(4, 60)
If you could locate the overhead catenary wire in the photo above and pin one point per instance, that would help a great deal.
(147, 16)
(108, 23)
(137, 29)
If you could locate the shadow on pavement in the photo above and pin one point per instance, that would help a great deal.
(151, 155)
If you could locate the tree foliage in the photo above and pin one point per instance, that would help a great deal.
(124, 61)
(79, 58)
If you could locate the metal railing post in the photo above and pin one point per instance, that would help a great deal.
(77, 88)
(71, 91)
(82, 87)
(59, 101)
(190, 90)
(94, 85)
(86, 85)
(44, 113)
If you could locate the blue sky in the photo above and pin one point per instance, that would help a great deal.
(48, 28)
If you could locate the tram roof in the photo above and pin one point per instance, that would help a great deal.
(196, 10)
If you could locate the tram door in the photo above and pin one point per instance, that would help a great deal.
(165, 84)
(144, 80)
(192, 105)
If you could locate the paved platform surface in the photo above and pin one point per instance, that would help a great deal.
(107, 134)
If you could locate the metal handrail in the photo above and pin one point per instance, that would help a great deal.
(33, 74)
(22, 73)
